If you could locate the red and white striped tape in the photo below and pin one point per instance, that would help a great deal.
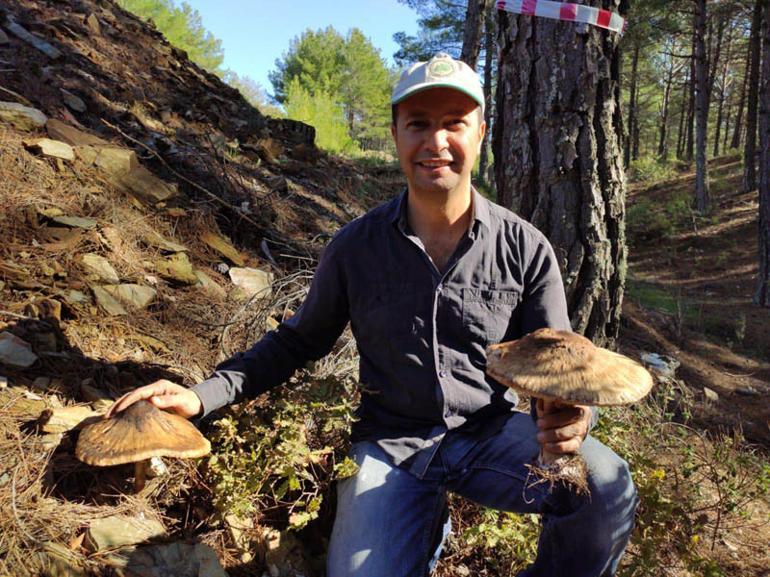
(566, 11)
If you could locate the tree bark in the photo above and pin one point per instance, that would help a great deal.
(681, 136)
(558, 136)
(701, 109)
(762, 294)
(723, 86)
(474, 25)
(690, 150)
(750, 148)
(489, 49)
(664, 113)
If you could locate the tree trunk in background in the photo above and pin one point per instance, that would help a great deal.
(632, 96)
(750, 148)
(558, 136)
(681, 136)
(474, 25)
(489, 49)
(663, 140)
(690, 150)
(701, 108)
(722, 93)
(762, 295)
(736, 141)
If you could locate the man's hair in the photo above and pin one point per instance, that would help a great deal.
(394, 113)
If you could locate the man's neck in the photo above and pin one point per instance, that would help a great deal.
(437, 215)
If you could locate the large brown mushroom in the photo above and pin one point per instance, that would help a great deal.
(562, 366)
(136, 435)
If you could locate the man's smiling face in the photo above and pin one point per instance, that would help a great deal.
(438, 134)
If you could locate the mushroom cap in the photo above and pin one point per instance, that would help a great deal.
(140, 432)
(565, 366)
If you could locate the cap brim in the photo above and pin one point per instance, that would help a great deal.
(415, 89)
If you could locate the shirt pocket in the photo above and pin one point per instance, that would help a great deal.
(389, 310)
(487, 313)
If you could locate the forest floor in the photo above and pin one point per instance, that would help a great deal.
(256, 194)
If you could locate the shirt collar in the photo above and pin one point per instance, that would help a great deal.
(398, 212)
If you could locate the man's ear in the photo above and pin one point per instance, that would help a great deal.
(393, 131)
(482, 132)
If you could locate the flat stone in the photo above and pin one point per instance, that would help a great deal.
(33, 40)
(48, 385)
(76, 297)
(208, 285)
(73, 102)
(50, 148)
(75, 222)
(61, 420)
(121, 530)
(253, 282)
(107, 302)
(177, 267)
(133, 295)
(15, 352)
(92, 22)
(175, 560)
(100, 267)
(21, 117)
(158, 241)
(114, 160)
(145, 186)
(223, 247)
(710, 395)
(3, 382)
(59, 130)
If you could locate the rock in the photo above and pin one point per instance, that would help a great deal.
(59, 561)
(114, 160)
(747, 391)
(132, 295)
(710, 395)
(3, 37)
(176, 267)
(145, 186)
(109, 304)
(100, 267)
(119, 531)
(175, 560)
(21, 117)
(48, 385)
(207, 284)
(92, 22)
(223, 247)
(663, 365)
(50, 148)
(65, 419)
(253, 282)
(239, 530)
(59, 130)
(73, 102)
(74, 297)
(98, 399)
(32, 40)
(3, 382)
(75, 222)
(222, 267)
(15, 351)
(285, 556)
(156, 468)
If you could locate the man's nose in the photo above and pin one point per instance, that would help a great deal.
(437, 139)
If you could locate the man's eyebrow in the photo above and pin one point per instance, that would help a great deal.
(421, 113)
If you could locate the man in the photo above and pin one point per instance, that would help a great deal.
(427, 281)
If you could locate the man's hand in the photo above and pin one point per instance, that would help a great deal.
(561, 427)
(164, 395)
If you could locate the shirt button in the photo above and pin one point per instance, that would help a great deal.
(442, 374)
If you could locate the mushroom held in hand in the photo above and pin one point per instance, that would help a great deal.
(136, 435)
(563, 366)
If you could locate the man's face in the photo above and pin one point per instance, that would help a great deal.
(438, 134)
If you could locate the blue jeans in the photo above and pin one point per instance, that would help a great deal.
(390, 523)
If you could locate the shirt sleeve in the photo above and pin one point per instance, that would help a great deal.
(308, 335)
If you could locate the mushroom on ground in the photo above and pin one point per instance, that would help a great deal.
(554, 365)
(136, 435)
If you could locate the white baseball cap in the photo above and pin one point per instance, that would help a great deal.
(440, 71)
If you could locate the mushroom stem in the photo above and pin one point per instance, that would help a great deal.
(140, 475)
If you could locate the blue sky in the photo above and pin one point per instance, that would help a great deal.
(254, 33)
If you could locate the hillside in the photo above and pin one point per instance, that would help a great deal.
(179, 224)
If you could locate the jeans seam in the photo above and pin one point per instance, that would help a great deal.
(426, 535)
(523, 479)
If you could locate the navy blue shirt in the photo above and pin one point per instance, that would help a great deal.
(421, 333)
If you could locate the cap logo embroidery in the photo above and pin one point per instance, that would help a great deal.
(440, 68)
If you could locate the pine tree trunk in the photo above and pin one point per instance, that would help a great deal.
(701, 109)
(690, 149)
(750, 148)
(489, 49)
(762, 295)
(663, 140)
(736, 141)
(474, 25)
(722, 95)
(681, 136)
(631, 124)
(558, 136)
